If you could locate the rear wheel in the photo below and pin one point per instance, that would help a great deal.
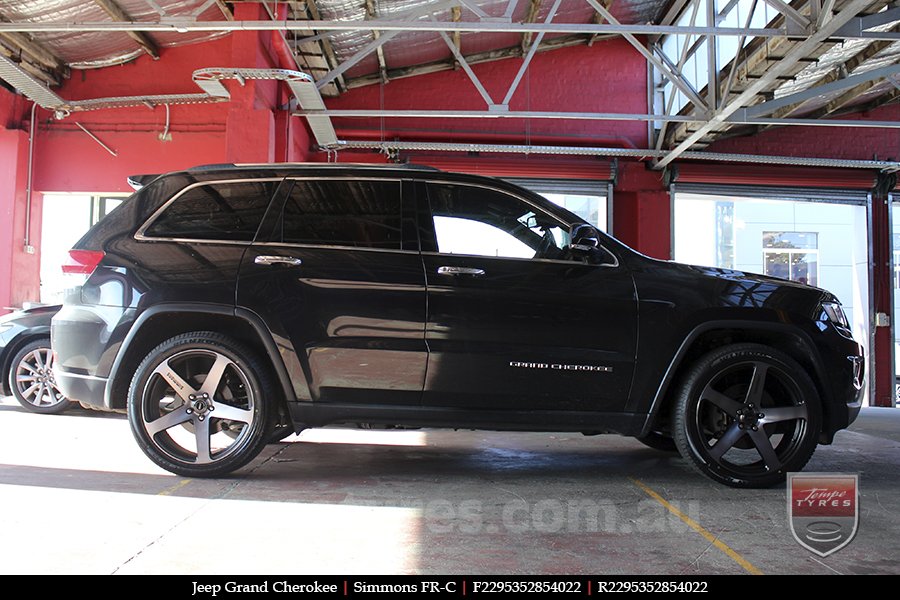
(746, 415)
(32, 382)
(198, 405)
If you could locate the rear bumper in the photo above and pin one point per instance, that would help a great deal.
(87, 389)
(86, 339)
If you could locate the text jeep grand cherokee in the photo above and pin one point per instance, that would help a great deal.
(226, 307)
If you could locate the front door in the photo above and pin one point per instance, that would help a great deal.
(516, 321)
(337, 276)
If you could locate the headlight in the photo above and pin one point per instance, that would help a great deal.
(834, 312)
(4, 327)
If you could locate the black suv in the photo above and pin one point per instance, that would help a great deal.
(228, 306)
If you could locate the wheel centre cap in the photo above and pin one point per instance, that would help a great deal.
(201, 404)
(748, 417)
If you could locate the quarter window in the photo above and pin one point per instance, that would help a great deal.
(216, 211)
(362, 214)
(792, 255)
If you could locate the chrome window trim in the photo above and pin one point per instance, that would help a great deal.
(141, 234)
(529, 203)
(544, 260)
(333, 247)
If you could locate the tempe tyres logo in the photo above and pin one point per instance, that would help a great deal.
(823, 510)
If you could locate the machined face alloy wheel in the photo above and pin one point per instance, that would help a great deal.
(197, 407)
(750, 420)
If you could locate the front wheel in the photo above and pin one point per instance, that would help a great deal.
(746, 415)
(197, 405)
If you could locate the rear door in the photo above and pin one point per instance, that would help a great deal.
(336, 275)
(514, 320)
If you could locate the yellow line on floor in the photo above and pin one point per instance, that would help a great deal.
(715, 541)
(174, 488)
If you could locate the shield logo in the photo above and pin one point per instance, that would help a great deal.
(823, 510)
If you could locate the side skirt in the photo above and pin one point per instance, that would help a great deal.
(308, 414)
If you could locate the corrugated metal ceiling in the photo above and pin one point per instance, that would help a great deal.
(83, 49)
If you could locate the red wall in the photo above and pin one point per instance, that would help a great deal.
(18, 270)
(246, 129)
(857, 143)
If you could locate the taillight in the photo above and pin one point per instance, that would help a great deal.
(82, 262)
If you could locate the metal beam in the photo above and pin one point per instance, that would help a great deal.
(177, 25)
(533, 7)
(766, 108)
(465, 65)
(789, 12)
(226, 12)
(510, 9)
(371, 15)
(685, 51)
(331, 58)
(598, 18)
(836, 104)
(37, 52)
(860, 24)
(470, 4)
(712, 68)
(729, 83)
(471, 59)
(353, 60)
(800, 50)
(527, 60)
(116, 13)
(737, 118)
(181, 25)
(676, 80)
(825, 13)
(456, 15)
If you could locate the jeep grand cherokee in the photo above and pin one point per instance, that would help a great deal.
(225, 307)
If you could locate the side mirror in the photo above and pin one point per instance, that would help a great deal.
(583, 238)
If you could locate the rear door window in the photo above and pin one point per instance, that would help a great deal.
(343, 212)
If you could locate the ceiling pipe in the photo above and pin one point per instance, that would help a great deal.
(29, 249)
(464, 137)
(640, 153)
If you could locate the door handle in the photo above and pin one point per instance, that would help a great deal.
(278, 260)
(460, 271)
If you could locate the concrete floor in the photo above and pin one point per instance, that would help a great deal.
(77, 496)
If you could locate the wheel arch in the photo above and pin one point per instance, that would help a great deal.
(168, 320)
(706, 337)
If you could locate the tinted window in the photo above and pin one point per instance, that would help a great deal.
(363, 214)
(482, 222)
(216, 211)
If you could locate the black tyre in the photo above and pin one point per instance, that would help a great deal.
(198, 405)
(658, 441)
(746, 415)
(31, 379)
